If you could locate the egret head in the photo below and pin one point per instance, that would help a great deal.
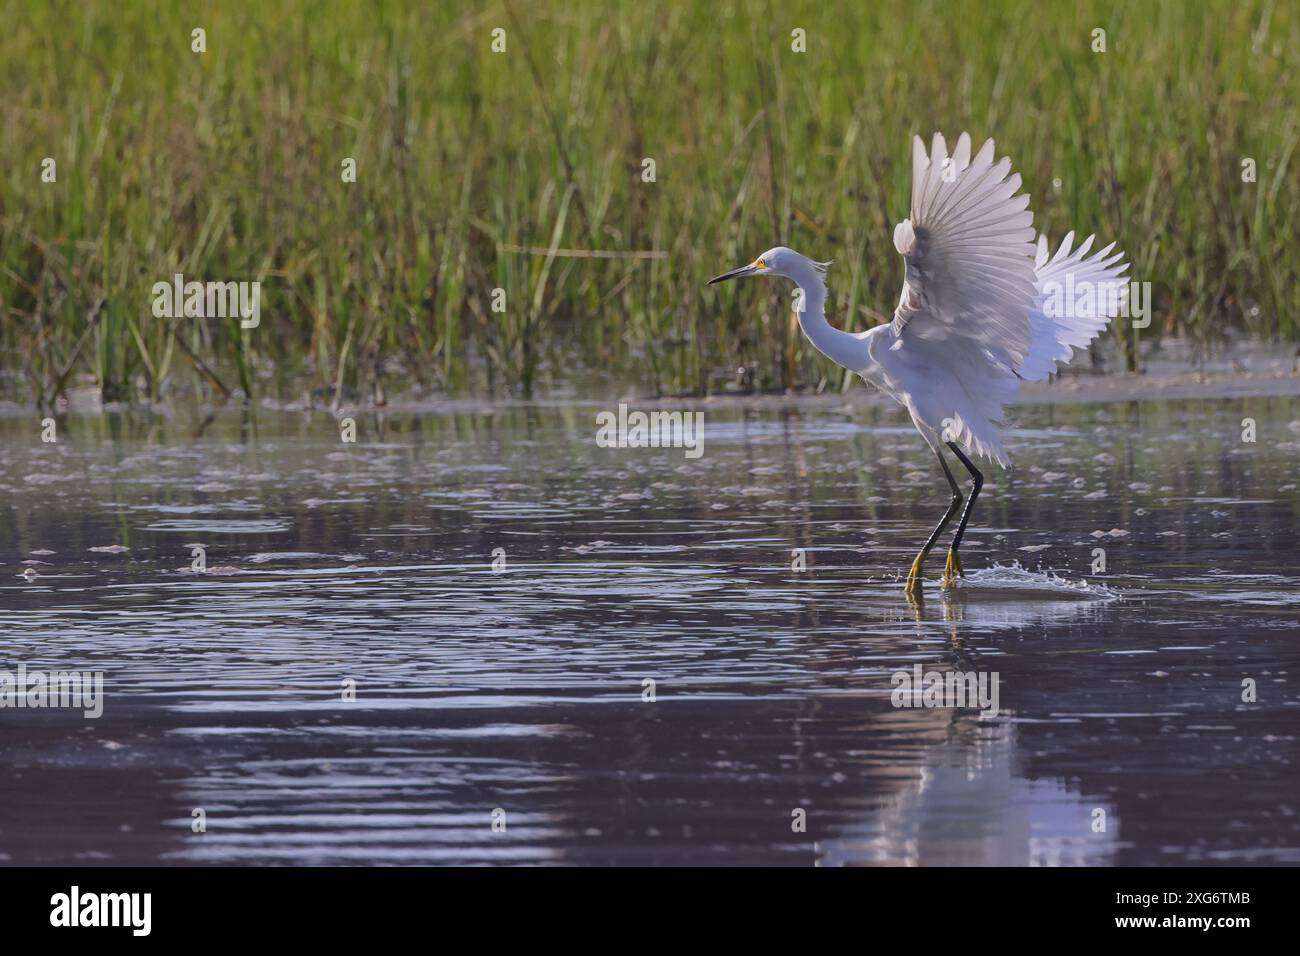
(778, 261)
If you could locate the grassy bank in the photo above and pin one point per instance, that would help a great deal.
(479, 170)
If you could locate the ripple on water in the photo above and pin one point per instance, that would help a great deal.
(631, 571)
(219, 526)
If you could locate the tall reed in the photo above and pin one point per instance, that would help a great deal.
(501, 233)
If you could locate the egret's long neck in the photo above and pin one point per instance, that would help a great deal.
(840, 347)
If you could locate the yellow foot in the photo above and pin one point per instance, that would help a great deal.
(913, 588)
(952, 571)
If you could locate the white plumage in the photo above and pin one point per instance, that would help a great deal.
(982, 307)
(975, 311)
(1063, 318)
(969, 253)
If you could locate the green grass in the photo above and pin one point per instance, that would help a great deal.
(474, 167)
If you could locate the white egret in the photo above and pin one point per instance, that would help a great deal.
(982, 310)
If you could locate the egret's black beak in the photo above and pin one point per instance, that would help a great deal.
(733, 274)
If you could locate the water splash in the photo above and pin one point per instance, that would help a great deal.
(1016, 578)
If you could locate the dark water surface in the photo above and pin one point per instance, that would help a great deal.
(1121, 693)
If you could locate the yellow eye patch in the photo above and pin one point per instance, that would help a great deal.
(760, 264)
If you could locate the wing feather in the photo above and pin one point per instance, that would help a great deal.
(968, 253)
(1077, 297)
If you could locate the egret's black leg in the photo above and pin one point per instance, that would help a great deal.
(954, 568)
(914, 577)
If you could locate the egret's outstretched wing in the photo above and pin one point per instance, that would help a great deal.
(1077, 297)
(969, 254)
